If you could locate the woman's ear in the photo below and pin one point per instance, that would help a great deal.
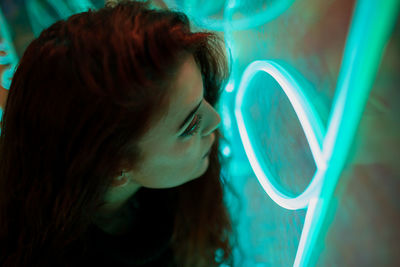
(120, 180)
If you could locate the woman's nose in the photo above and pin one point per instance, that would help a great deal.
(213, 121)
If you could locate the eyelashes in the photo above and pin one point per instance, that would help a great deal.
(192, 130)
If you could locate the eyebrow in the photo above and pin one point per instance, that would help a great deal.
(189, 116)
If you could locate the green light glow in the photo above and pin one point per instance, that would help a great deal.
(370, 30)
(329, 144)
(40, 18)
(195, 9)
(11, 57)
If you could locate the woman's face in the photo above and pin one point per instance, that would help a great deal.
(174, 148)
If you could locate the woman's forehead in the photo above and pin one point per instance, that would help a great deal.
(186, 91)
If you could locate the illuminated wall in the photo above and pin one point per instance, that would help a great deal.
(310, 113)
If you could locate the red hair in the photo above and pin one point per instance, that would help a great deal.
(84, 93)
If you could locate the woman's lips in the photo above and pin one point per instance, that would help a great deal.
(211, 145)
(208, 152)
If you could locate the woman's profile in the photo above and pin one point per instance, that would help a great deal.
(109, 144)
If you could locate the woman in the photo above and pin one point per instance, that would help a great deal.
(104, 144)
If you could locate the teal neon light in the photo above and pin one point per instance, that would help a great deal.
(40, 18)
(310, 123)
(195, 8)
(11, 57)
(80, 5)
(61, 8)
(370, 30)
(65, 9)
(371, 26)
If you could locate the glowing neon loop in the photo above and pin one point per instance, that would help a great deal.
(310, 123)
(370, 30)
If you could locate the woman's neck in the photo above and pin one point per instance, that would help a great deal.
(115, 215)
(115, 219)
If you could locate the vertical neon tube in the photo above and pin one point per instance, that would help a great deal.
(370, 30)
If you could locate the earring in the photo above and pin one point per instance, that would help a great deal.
(119, 178)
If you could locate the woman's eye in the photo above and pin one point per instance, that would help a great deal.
(193, 128)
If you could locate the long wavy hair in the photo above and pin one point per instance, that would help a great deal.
(84, 93)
